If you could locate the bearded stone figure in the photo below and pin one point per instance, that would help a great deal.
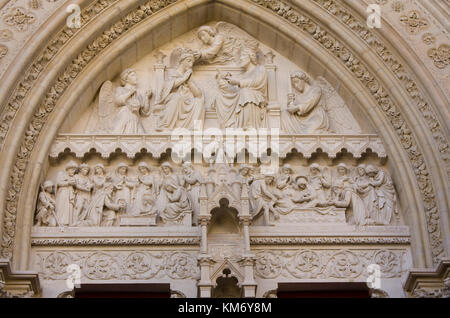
(177, 202)
(305, 114)
(123, 186)
(244, 105)
(385, 202)
(180, 99)
(95, 210)
(145, 192)
(65, 194)
(167, 177)
(263, 199)
(83, 187)
(191, 181)
(46, 215)
(345, 196)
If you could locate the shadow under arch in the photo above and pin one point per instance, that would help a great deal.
(224, 220)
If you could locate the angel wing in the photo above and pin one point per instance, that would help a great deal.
(106, 105)
(234, 40)
(340, 118)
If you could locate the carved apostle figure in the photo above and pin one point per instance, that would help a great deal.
(177, 202)
(65, 194)
(366, 192)
(385, 195)
(46, 207)
(99, 182)
(191, 181)
(123, 186)
(303, 194)
(167, 177)
(226, 101)
(263, 200)
(112, 208)
(145, 192)
(131, 104)
(250, 99)
(284, 178)
(305, 113)
(344, 196)
(180, 99)
(341, 182)
(245, 174)
(83, 187)
(318, 183)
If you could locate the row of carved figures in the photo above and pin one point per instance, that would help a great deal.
(240, 100)
(99, 198)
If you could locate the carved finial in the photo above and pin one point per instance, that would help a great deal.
(160, 56)
(269, 57)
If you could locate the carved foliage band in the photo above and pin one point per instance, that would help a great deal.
(281, 9)
(328, 263)
(117, 265)
(382, 97)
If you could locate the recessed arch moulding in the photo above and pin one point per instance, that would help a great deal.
(381, 216)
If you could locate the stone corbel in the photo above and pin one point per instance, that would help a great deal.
(18, 284)
(429, 283)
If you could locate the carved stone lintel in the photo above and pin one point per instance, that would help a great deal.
(429, 283)
(15, 284)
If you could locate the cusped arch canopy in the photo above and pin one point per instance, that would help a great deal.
(68, 71)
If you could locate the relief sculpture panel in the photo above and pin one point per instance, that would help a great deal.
(167, 195)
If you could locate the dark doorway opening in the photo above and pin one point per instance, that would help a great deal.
(122, 291)
(323, 290)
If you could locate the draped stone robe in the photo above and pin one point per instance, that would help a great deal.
(132, 107)
(244, 107)
(181, 107)
(95, 209)
(386, 198)
(65, 198)
(306, 115)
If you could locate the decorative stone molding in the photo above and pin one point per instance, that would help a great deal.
(19, 18)
(117, 265)
(429, 283)
(440, 56)
(113, 241)
(38, 121)
(414, 22)
(324, 263)
(54, 93)
(14, 284)
(158, 144)
(407, 78)
(329, 240)
(42, 11)
(381, 95)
